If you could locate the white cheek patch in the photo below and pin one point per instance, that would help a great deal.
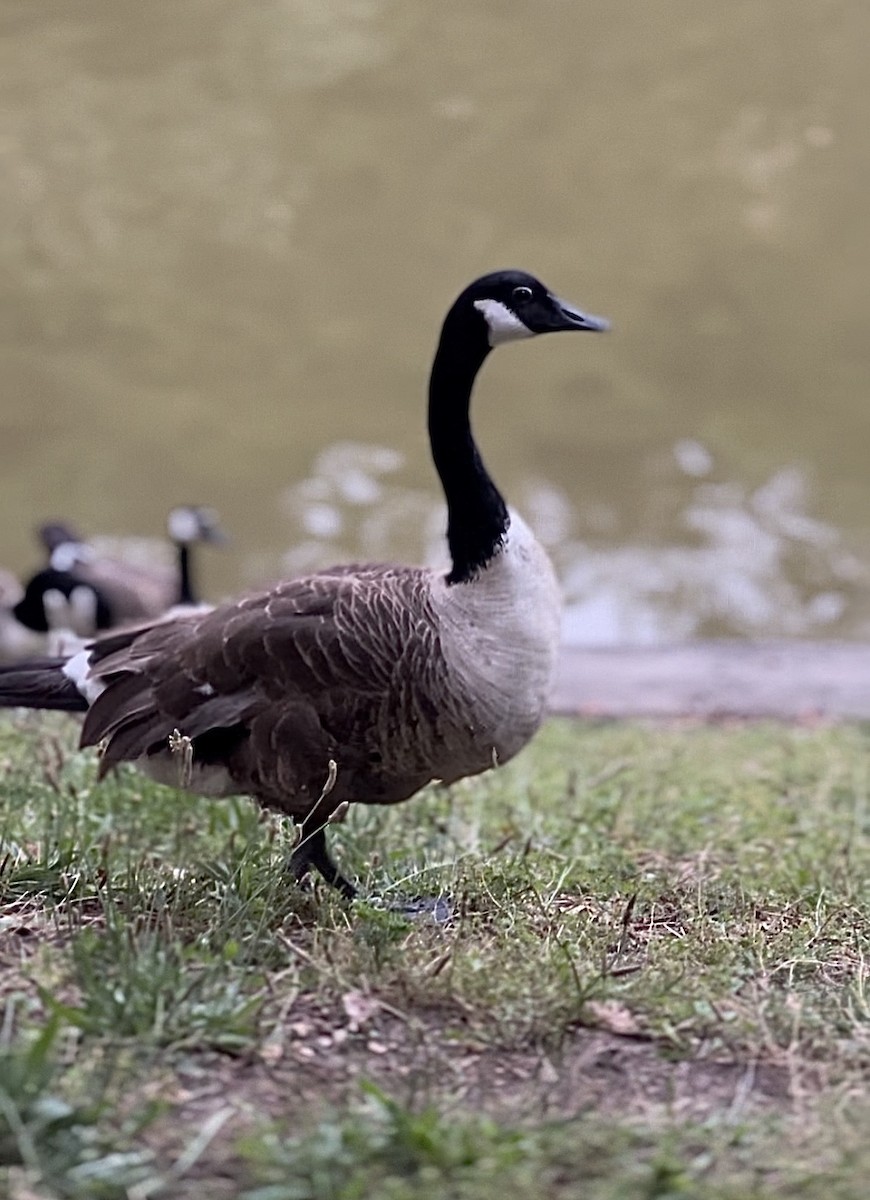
(183, 525)
(83, 611)
(504, 325)
(68, 555)
(76, 613)
(56, 609)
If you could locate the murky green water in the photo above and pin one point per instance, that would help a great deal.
(229, 232)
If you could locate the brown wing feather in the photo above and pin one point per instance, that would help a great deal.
(310, 670)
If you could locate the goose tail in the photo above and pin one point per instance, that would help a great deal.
(40, 683)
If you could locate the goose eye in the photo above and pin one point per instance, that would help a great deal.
(522, 293)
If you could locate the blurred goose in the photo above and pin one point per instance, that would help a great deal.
(81, 591)
(16, 641)
(359, 684)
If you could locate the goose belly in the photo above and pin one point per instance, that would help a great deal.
(202, 779)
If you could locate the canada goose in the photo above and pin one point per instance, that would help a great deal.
(16, 641)
(358, 684)
(84, 592)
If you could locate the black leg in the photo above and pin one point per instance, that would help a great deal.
(312, 852)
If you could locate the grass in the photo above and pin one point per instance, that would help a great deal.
(652, 980)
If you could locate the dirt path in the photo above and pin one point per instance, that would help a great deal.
(788, 680)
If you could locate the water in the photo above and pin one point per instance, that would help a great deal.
(229, 233)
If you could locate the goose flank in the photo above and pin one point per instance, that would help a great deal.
(398, 675)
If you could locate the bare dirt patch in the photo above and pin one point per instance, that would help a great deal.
(316, 1059)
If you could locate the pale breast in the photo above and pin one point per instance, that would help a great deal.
(501, 635)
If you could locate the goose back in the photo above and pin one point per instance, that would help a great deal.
(131, 592)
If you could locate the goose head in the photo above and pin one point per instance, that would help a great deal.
(57, 533)
(190, 523)
(65, 545)
(506, 306)
(503, 306)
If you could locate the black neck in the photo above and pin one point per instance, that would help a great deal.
(185, 575)
(477, 517)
